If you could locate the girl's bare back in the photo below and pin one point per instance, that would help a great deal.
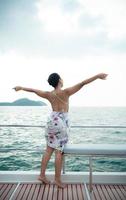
(59, 100)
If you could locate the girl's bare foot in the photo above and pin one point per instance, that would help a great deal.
(60, 184)
(43, 179)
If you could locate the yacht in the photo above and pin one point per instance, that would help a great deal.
(17, 185)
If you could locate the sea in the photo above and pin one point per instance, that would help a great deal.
(31, 139)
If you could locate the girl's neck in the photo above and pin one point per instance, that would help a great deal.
(58, 88)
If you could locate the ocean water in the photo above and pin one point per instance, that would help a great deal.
(33, 138)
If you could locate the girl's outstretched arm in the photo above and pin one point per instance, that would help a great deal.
(40, 93)
(71, 90)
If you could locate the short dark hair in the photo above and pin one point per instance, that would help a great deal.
(53, 79)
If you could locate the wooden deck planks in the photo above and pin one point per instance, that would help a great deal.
(36, 191)
(46, 191)
(81, 192)
(55, 193)
(1, 185)
(41, 192)
(50, 197)
(115, 193)
(108, 192)
(70, 196)
(65, 194)
(6, 190)
(27, 191)
(123, 190)
(32, 191)
(20, 192)
(96, 193)
(60, 193)
(102, 192)
(122, 197)
(3, 188)
(74, 189)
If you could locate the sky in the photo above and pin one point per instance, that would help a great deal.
(75, 38)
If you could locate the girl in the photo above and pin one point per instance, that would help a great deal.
(57, 127)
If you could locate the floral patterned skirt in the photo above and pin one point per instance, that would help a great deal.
(57, 129)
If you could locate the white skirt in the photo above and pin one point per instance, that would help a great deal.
(57, 129)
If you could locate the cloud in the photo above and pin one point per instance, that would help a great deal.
(70, 5)
(113, 14)
(91, 26)
(62, 28)
(18, 27)
(56, 19)
(108, 16)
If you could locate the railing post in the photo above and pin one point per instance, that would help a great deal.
(90, 174)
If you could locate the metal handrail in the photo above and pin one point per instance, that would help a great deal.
(76, 126)
(42, 126)
(4, 149)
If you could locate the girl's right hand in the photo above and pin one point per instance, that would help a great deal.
(17, 88)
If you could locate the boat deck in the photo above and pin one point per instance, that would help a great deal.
(37, 191)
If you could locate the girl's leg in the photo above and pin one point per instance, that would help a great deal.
(58, 168)
(45, 160)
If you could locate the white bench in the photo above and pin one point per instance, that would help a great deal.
(95, 150)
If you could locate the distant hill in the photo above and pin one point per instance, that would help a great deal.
(23, 102)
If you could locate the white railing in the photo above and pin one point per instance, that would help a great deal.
(76, 126)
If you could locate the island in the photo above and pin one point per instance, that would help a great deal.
(23, 102)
